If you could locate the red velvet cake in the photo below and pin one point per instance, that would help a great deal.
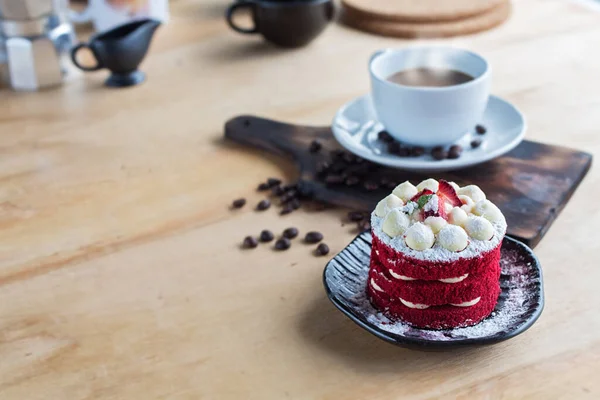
(435, 259)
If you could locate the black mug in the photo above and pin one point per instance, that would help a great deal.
(292, 23)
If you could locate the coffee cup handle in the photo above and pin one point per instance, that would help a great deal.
(74, 51)
(237, 6)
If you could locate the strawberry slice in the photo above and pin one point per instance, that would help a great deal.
(448, 194)
(423, 192)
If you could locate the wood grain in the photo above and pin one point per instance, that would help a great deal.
(120, 272)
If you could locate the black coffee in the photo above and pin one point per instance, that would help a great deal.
(431, 77)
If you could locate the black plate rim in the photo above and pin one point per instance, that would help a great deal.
(400, 340)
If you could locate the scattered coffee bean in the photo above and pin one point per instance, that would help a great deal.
(476, 143)
(238, 203)
(323, 167)
(250, 242)
(333, 179)
(287, 197)
(263, 205)
(290, 233)
(262, 187)
(352, 181)
(313, 237)
(439, 153)
(295, 203)
(287, 188)
(315, 146)
(364, 225)
(266, 236)
(370, 186)
(282, 244)
(277, 190)
(286, 209)
(454, 152)
(273, 182)
(356, 216)
(417, 151)
(393, 147)
(322, 250)
(480, 129)
(404, 152)
(385, 137)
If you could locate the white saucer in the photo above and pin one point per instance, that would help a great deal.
(355, 127)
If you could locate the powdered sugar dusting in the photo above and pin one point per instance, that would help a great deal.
(432, 205)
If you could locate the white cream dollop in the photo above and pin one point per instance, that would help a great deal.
(388, 203)
(467, 303)
(467, 203)
(419, 237)
(457, 216)
(488, 210)
(430, 184)
(453, 238)
(454, 186)
(473, 191)
(405, 191)
(413, 305)
(435, 223)
(395, 223)
(479, 228)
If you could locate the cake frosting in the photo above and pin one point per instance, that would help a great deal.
(436, 253)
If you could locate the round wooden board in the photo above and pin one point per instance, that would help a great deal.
(420, 10)
(475, 24)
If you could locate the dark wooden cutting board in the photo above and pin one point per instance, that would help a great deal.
(531, 184)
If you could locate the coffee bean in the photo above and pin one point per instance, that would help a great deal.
(333, 179)
(480, 129)
(263, 205)
(403, 152)
(323, 167)
(315, 146)
(417, 151)
(250, 242)
(287, 197)
(438, 153)
(290, 233)
(287, 188)
(266, 236)
(295, 203)
(352, 181)
(239, 203)
(322, 250)
(364, 225)
(393, 147)
(454, 152)
(273, 182)
(313, 237)
(476, 143)
(282, 244)
(277, 190)
(262, 187)
(286, 209)
(356, 216)
(385, 137)
(370, 186)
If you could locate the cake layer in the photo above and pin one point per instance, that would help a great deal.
(437, 317)
(433, 293)
(403, 265)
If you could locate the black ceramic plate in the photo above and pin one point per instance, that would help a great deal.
(519, 305)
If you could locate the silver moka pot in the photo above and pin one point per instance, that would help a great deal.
(35, 41)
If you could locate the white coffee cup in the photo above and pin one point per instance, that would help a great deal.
(429, 116)
(107, 14)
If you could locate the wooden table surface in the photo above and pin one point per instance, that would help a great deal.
(120, 272)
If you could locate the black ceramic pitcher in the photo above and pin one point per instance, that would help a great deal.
(120, 50)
